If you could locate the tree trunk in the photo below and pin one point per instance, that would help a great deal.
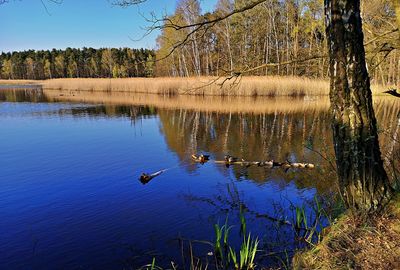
(396, 5)
(362, 179)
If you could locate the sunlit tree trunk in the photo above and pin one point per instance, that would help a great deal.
(396, 5)
(362, 178)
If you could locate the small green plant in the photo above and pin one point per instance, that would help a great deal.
(308, 231)
(221, 233)
(242, 221)
(285, 262)
(247, 254)
(226, 255)
(151, 266)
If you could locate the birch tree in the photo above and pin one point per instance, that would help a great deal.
(362, 178)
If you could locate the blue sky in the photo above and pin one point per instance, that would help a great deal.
(25, 24)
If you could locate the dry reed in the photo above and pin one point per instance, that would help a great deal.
(225, 104)
(246, 86)
(20, 82)
(270, 86)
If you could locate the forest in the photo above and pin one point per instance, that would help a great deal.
(285, 38)
(77, 63)
(261, 40)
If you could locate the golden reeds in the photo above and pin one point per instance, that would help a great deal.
(20, 82)
(246, 86)
(199, 103)
(225, 104)
(209, 86)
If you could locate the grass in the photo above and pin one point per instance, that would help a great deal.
(353, 242)
(270, 86)
(226, 256)
(246, 254)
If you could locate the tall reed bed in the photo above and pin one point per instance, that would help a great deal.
(208, 86)
(228, 104)
(246, 86)
(20, 82)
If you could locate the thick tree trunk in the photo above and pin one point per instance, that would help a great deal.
(362, 178)
(396, 5)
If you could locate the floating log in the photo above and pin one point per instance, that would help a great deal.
(229, 160)
(268, 164)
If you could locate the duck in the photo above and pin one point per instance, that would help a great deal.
(276, 164)
(146, 177)
(230, 159)
(201, 158)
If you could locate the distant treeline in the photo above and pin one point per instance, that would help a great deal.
(77, 63)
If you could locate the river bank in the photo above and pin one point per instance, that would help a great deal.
(269, 86)
(353, 242)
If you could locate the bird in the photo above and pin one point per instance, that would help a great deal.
(204, 158)
(146, 177)
(392, 92)
(201, 158)
(230, 159)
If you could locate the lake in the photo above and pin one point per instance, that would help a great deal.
(70, 197)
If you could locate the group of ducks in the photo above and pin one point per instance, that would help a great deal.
(230, 160)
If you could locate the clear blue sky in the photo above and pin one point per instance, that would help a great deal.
(25, 24)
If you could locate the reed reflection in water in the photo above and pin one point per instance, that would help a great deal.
(190, 194)
(280, 129)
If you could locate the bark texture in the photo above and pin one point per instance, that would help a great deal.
(396, 6)
(362, 178)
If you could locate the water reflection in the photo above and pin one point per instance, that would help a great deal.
(82, 143)
(281, 129)
(276, 136)
(198, 103)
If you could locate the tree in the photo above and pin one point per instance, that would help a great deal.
(72, 68)
(47, 69)
(396, 5)
(107, 62)
(7, 69)
(30, 68)
(362, 178)
(60, 65)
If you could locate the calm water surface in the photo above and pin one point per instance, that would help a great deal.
(69, 191)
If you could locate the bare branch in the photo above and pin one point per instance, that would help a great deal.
(168, 23)
(280, 64)
(126, 3)
(381, 35)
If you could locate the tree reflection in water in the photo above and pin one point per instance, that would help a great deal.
(297, 130)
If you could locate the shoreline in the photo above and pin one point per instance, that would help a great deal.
(218, 104)
(251, 86)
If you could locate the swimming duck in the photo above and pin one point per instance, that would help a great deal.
(146, 177)
(201, 158)
(229, 159)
